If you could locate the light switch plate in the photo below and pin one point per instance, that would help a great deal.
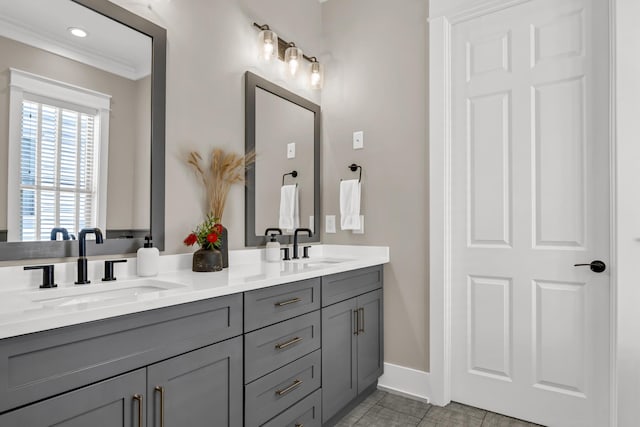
(311, 224)
(330, 224)
(291, 150)
(361, 230)
(358, 140)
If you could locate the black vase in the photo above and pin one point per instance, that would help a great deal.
(224, 248)
(207, 260)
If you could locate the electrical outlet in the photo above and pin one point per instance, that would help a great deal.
(358, 140)
(330, 224)
(291, 150)
(361, 229)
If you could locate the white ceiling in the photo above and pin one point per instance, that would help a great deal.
(110, 46)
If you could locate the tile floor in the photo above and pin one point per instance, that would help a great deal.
(383, 409)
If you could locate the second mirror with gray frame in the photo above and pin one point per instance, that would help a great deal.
(284, 130)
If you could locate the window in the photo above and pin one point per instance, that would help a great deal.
(58, 181)
(56, 145)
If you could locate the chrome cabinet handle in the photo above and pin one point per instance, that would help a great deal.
(138, 397)
(360, 329)
(288, 343)
(291, 301)
(299, 425)
(296, 383)
(356, 322)
(161, 391)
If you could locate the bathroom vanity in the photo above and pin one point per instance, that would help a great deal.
(274, 345)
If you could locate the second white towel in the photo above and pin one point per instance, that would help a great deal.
(289, 208)
(350, 204)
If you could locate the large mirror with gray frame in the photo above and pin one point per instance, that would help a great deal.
(82, 114)
(284, 130)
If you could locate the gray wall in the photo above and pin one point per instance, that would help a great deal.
(129, 121)
(377, 82)
(211, 43)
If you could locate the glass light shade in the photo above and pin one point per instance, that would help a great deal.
(316, 75)
(293, 58)
(267, 45)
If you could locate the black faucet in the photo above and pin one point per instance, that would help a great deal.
(56, 230)
(295, 240)
(82, 253)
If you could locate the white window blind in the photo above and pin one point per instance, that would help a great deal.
(58, 170)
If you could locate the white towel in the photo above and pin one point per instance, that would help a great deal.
(289, 208)
(350, 204)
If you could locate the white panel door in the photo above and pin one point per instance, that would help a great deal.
(530, 179)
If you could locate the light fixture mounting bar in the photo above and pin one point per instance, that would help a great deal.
(283, 44)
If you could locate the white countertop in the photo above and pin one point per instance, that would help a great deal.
(24, 308)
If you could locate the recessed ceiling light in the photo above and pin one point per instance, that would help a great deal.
(78, 32)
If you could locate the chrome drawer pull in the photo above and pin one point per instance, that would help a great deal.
(291, 301)
(284, 391)
(361, 327)
(356, 322)
(299, 425)
(288, 343)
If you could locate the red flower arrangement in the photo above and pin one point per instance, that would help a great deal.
(207, 234)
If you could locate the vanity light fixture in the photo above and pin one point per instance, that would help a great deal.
(270, 46)
(78, 32)
(316, 74)
(267, 43)
(293, 56)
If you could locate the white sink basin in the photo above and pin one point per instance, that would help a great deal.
(319, 262)
(100, 294)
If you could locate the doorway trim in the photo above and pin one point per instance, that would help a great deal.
(441, 21)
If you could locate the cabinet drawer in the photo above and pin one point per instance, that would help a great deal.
(264, 307)
(274, 346)
(36, 366)
(307, 413)
(342, 286)
(273, 393)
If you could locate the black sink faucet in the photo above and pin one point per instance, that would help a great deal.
(295, 240)
(82, 253)
(56, 230)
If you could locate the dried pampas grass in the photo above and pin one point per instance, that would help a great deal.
(224, 170)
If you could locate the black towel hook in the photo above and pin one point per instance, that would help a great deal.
(354, 168)
(292, 173)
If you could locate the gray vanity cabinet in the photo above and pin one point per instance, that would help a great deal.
(205, 384)
(104, 373)
(288, 355)
(352, 343)
(116, 402)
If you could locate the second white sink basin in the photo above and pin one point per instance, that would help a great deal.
(319, 262)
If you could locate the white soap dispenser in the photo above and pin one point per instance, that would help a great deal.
(273, 246)
(148, 259)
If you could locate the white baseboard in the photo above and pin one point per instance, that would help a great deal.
(406, 382)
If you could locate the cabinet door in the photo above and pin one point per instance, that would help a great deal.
(370, 345)
(339, 374)
(203, 387)
(111, 403)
